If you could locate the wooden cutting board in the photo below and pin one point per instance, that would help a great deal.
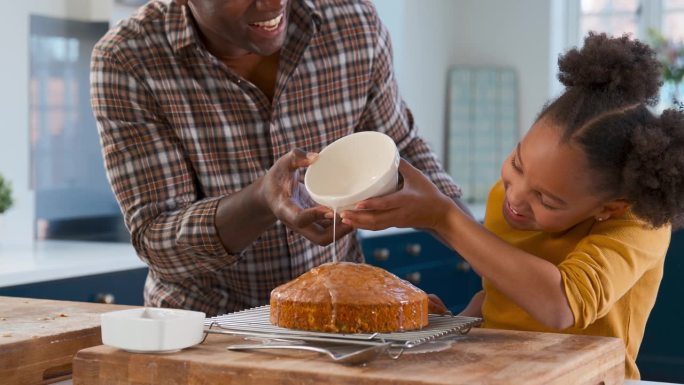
(484, 356)
(39, 337)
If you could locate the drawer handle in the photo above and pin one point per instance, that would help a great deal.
(463, 266)
(413, 249)
(414, 277)
(107, 298)
(381, 254)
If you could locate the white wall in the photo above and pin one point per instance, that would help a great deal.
(422, 35)
(431, 36)
(17, 223)
(428, 36)
(512, 34)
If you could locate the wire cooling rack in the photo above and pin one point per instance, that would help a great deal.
(255, 322)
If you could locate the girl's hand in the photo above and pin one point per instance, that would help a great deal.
(417, 204)
(435, 305)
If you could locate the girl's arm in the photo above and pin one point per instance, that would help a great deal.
(474, 308)
(532, 283)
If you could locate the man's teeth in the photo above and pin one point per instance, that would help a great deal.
(269, 25)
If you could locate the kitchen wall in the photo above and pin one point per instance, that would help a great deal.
(429, 37)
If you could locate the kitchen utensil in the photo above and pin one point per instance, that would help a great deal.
(341, 353)
(152, 330)
(353, 168)
(255, 322)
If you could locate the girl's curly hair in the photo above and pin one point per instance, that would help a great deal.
(634, 154)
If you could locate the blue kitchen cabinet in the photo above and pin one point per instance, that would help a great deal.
(427, 263)
(122, 287)
(661, 357)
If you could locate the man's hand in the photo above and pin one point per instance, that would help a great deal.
(283, 193)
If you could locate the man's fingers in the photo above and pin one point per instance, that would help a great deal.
(342, 229)
(406, 168)
(300, 158)
(308, 216)
(324, 236)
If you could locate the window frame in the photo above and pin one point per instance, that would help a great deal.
(650, 16)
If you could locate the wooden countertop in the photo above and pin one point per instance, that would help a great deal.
(38, 338)
(484, 356)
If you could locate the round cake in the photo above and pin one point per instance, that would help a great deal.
(348, 297)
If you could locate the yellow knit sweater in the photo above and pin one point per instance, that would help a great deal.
(610, 272)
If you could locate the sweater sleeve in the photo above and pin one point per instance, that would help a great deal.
(607, 263)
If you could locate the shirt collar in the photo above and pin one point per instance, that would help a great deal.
(309, 7)
(179, 27)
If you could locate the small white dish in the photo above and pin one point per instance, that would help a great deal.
(353, 168)
(152, 330)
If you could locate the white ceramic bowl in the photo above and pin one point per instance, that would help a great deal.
(353, 168)
(152, 329)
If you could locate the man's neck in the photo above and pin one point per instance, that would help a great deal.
(261, 71)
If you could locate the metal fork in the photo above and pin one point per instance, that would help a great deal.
(342, 353)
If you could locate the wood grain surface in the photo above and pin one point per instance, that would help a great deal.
(38, 337)
(484, 356)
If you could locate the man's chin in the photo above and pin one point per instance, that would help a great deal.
(266, 50)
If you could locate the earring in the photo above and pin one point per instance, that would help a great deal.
(600, 219)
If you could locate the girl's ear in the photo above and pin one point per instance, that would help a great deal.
(612, 209)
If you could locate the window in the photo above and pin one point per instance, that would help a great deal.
(673, 19)
(611, 16)
(482, 126)
(73, 199)
(635, 17)
(614, 17)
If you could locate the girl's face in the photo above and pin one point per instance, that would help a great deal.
(548, 185)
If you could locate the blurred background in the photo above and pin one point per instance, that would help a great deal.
(474, 72)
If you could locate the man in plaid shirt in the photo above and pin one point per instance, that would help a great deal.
(200, 106)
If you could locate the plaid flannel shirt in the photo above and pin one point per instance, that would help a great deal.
(179, 131)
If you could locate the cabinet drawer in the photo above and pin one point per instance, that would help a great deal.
(405, 249)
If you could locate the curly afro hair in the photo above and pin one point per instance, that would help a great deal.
(654, 171)
(633, 154)
(621, 67)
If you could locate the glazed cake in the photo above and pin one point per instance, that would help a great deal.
(347, 297)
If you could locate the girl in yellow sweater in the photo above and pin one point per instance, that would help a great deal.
(576, 230)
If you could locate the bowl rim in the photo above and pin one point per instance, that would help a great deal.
(344, 200)
(136, 314)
